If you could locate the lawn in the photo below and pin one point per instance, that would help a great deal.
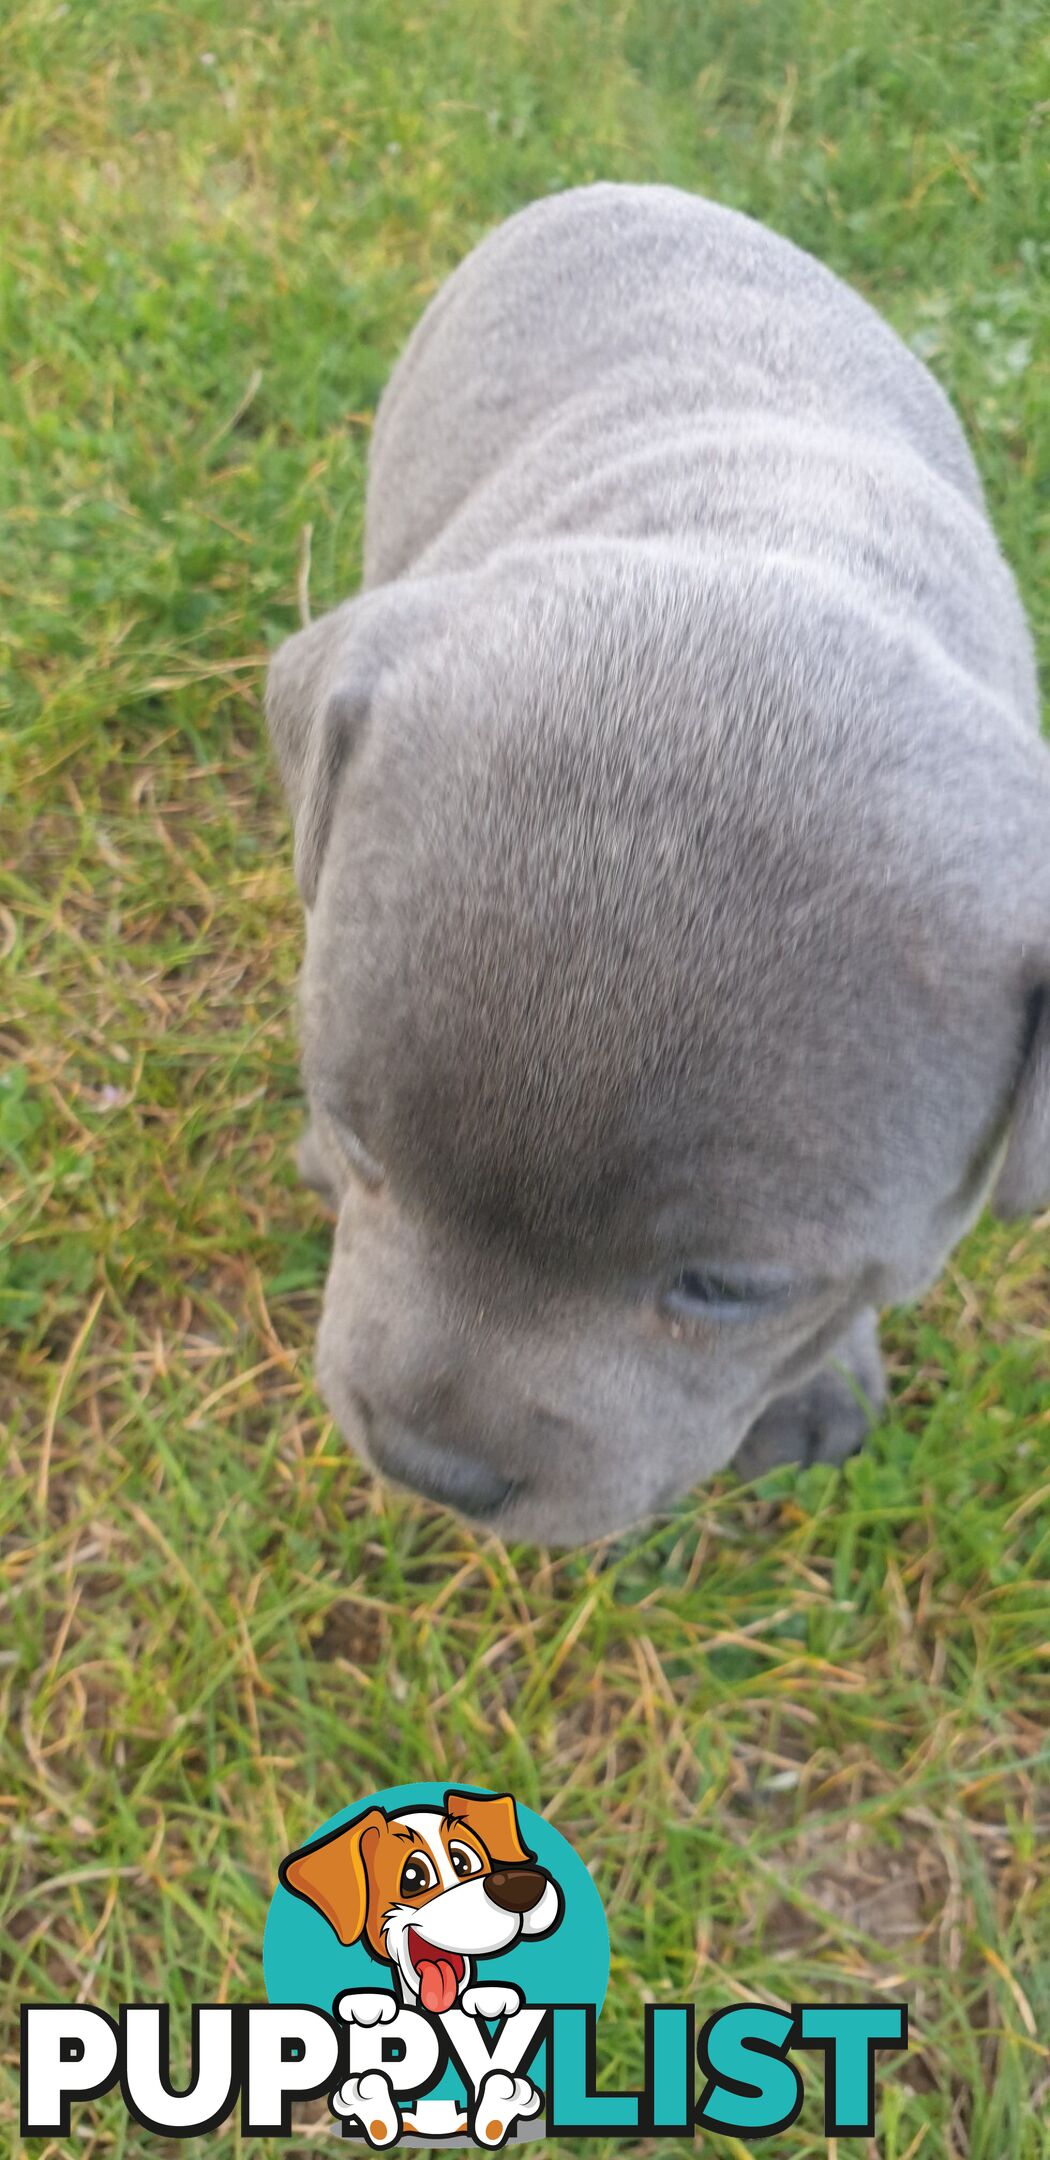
(799, 1732)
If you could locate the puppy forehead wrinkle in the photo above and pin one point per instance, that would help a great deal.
(635, 929)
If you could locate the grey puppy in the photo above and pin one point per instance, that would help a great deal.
(672, 824)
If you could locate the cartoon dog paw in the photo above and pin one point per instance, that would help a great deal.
(492, 2000)
(369, 2100)
(367, 2007)
(502, 2101)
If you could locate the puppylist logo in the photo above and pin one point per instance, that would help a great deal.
(435, 1962)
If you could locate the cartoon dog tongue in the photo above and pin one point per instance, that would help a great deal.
(437, 1984)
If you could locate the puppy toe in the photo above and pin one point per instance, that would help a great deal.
(825, 1420)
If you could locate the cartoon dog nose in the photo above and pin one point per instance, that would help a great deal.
(515, 1889)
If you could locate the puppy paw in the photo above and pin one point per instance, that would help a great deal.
(492, 2000)
(828, 1417)
(502, 2101)
(369, 2100)
(367, 2007)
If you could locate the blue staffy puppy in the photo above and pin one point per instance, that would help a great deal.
(673, 830)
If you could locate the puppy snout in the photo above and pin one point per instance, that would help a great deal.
(515, 1889)
(431, 1465)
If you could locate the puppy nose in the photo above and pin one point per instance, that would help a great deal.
(431, 1467)
(515, 1889)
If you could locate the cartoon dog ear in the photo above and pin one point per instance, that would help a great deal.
(1023, 1184)
(495, 1822)
(319, 692)
(332, 1874)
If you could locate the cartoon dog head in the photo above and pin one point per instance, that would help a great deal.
(429, 1890)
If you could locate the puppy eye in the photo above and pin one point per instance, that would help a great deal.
(465, 1860)
(723, 1295)
(418, 1874)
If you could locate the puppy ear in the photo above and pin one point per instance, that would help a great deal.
(495, 1822)
(1023, 1184)
(319, 691)
(332, 1874)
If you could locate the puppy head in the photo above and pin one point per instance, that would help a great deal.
(675, 987)
(428, 1890)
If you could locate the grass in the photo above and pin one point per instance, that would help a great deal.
(799, 1732)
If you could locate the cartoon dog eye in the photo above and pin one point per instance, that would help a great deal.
(465, 1860)
(417, 1875)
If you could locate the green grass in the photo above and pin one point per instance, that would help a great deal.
(799, 1733)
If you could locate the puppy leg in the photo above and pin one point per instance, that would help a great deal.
(827, 1418)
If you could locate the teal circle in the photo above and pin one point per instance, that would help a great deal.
(304, 1961)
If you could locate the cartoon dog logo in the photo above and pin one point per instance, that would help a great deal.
(430, 1891)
